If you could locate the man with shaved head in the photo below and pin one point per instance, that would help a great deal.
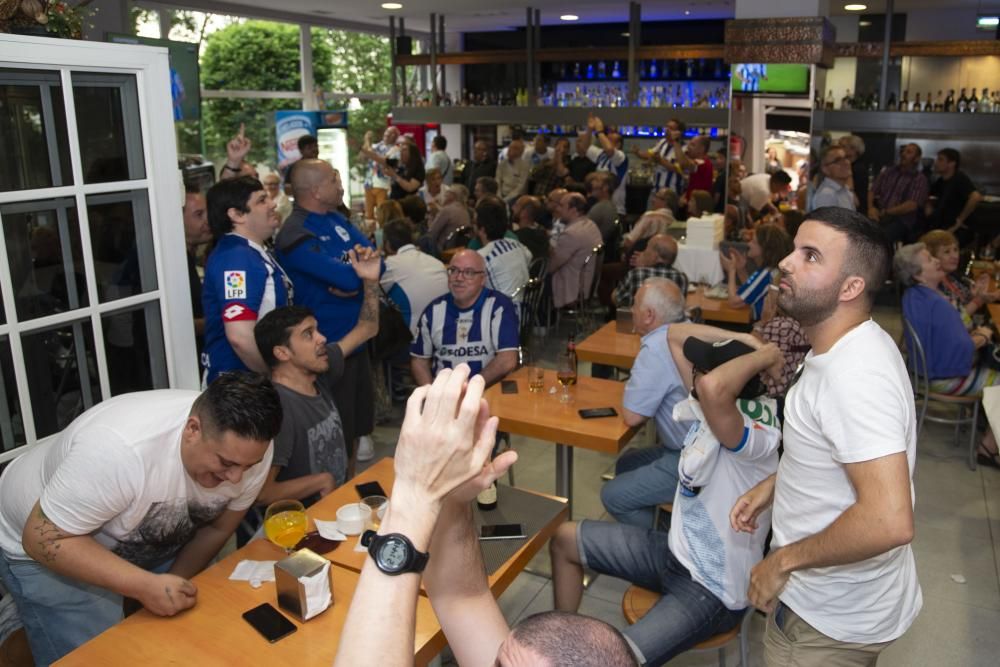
(470, 324)
(312, 246)
(657, 260)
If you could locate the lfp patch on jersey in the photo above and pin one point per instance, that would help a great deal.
(236, 284)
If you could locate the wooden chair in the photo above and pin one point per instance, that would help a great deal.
(637, 602)
(967, 412)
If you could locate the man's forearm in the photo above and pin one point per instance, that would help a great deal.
(970, 205)
(908, 206)
(298, 488)
(199, 552)
(421, 369)
(502, 364)
(240, 337)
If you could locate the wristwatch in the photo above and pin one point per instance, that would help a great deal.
(394, 553)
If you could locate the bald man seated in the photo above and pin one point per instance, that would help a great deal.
(657, 260)
(471, 324)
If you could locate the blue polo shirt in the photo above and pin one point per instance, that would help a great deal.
(654, 387)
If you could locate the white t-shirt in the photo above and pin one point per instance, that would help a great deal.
(413, 279)
(701, 537)
(506, 266)
(617, 164)
(756, 190)
(851, 404)
(116, 473)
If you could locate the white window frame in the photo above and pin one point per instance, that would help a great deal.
(165, 194)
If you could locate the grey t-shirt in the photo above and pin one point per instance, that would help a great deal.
(604, 214)
(311, 439)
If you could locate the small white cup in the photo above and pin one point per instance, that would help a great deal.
(352, 518)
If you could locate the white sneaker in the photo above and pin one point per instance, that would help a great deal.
(366, 448)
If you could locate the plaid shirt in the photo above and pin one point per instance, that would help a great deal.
(636, 277)
(895, 185)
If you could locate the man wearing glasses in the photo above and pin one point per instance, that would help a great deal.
(470, 324)
(834, 190)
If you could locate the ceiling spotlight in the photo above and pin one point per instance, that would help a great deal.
(864, 24)
(391, 5)
(569, 17)
(855, 8)
(687, 12)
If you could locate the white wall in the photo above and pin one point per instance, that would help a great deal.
(944, 24)
(922, 74)
(765, 9)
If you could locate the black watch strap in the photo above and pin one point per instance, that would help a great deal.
(416, 560)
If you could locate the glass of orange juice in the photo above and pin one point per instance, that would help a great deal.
(285, 523)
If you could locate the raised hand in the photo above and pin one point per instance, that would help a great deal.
(238, 148)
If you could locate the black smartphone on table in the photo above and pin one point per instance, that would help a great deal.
(370, 489)
(595, 413)
(269, 622)
(502, 531)
(508, 386)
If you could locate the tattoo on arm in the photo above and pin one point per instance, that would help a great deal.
(48, 535)
(369, 307)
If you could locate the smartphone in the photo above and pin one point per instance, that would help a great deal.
(502, 531)
(269, 622)
(508, 386)
(316, 542)
(594, 413)
(370, 489)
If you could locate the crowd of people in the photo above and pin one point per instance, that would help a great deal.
(803, 427)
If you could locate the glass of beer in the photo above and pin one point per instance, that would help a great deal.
(377, 505)
(566, 375)
(536, 379)
(285, 523)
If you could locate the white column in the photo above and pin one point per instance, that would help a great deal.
(309, 101)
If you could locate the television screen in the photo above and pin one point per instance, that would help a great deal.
(771, 78)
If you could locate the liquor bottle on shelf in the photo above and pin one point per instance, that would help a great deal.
(616, 72)
(576, 71)
(602, 70)
(963, 102)
(905, 104)
(949, 102)
(689, 69)
(973, 102)
(891, 105)
(928, 106)
(653, 71)
(817, 101)
(985, 103)
(829, 101)
(590, 70)
(846, 102)
(917, 105)
(939, 101)
(717, 74)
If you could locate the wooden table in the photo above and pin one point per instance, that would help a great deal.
(213, 632)
(542, 416)
(994, 310)
(383, 473)
(717, 310)
(608, 346)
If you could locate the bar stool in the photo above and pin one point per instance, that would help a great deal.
(638, 601)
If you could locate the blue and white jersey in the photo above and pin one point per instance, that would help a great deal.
(506, 266)
(242, 283)
(617, 164)
(450, 336)
(667, 177)
(376, 178)
(754, 290)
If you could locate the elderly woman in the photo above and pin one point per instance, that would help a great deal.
(966, 295)
(950, 349)
(770, 244)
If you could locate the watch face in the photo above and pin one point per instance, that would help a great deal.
(393, 554)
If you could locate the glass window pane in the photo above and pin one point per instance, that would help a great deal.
(121, 236)
(32, 131)
(46, 267)
(11, 425)
(133, 344)
(62, 377)
(107, 115)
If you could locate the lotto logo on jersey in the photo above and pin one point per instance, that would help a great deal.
(237, 312)
(236, 284)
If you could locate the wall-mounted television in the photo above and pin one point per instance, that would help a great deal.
(770, 78)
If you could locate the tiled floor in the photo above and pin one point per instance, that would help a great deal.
(957, 537)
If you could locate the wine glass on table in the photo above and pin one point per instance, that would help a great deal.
(566, 374)
(285, 523)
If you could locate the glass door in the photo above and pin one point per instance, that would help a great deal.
(93, 295)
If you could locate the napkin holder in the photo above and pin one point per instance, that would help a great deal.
(302, 581)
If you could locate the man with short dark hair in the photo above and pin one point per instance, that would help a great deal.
(308, 147)
(600, 185)
(485, 186)
(471, 324)
(132, 499)
(310, 456)
(761, 192)
(834, 190)
(840, 582)
(898, 194)
(412, 278)
(656, 260)
(438, 159)
(568, 266)
(701, 565)
(527, 211)
(243, 282)
(671, 164)
(953, 197)
(196, 234)
(512, 172)
(482, 164)
(506, 259)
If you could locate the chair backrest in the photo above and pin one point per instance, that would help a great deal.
(590, 274)
(459, 237)
(531, 297)
(916, 361)
(595, 282)
(538, 267)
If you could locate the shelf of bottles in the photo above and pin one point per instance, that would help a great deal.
(985, 102)
(630, 131)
